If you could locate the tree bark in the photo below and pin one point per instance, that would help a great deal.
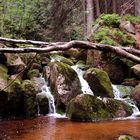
(90, 16)
(114, 3)
(97, 8)
(137, 7)
(62, 46)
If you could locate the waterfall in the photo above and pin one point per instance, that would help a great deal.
(84, 84)
(46, 91)
(117, 95)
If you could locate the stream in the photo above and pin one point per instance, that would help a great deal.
(51, 128)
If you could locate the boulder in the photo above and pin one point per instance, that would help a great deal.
(43, 104)
(15, 64)
(135, 95)
(87, 108)
(3, 77)
(29, 98)
(118, 108)
(33, 73)
(136, 70)
(99, 82)
(64, 83)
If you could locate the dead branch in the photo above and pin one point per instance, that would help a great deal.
(60, 46)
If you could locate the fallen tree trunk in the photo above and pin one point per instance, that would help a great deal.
(49, 47)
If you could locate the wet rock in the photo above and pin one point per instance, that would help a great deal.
(33, 73)
(135, 95)
(29, 98)
(118, 108)
(42, 103)
(136, 70)
(87, 108)
(99, 82)
(64, 83)
(130, 82)
(3, 77)
(128, 26)
(126, 137)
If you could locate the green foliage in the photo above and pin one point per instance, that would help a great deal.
(101, 33)
(110, 19)
(132, 19)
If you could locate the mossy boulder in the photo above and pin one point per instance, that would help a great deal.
(29, 98)
(63, 81)
(33, 73)
(15, 101)
(126, 137)
(99, 82)
(3, 76)
(135, 95)
(15, 64)
(118, 108)
(59, 58)
(42, 103)
(87, 108)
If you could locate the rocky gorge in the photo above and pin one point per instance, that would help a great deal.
(21, 79)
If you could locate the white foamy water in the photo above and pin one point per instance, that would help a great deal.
(117, 95)
(84, 84)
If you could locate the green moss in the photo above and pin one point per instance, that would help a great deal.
(57, 57)
(102, 76)
(3, 72)
(109, 41)
(101, 33)
(110, 19)
(132, 19)
(33, 73)
(87, 108)
(66, 71)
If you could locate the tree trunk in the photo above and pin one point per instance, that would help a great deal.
(114, 3)
(97, 8)
(90, 16)
(137, 7)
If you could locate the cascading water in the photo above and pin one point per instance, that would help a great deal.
(84, 84)
(117, 95)
(46, 92)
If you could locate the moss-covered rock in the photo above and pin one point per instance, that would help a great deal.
(59, 58)
(29, 98)
(87, 108)
(135, 95)
(33, 73)
(126, 137)
(118, 108)
(43, 103)
(63, 81)
(99, 82)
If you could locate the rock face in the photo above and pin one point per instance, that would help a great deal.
(99, 82)
(64, 83)
(136, 70)
(118, 108)
(3, 76)
(135, 95)
(87, 108)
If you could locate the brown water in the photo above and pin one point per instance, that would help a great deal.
(49, 128)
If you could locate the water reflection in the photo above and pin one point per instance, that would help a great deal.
(49, 128)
